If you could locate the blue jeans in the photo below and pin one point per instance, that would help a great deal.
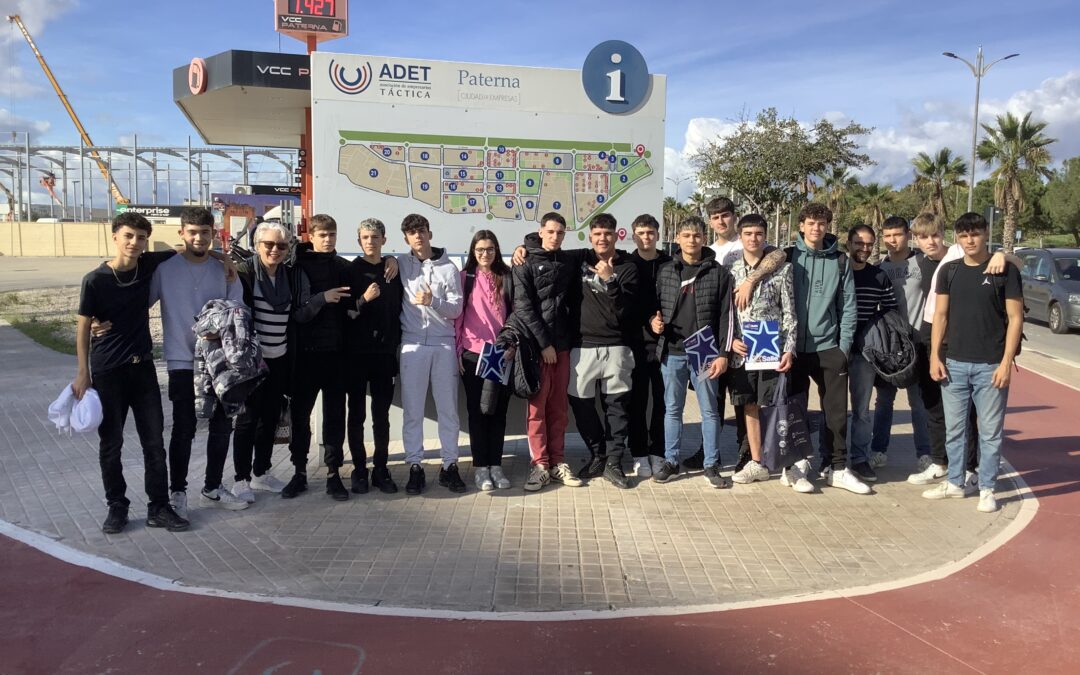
(967, 383)
(883, 419)
(676, 372)
(861, 377)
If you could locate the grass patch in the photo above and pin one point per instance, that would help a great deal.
(49, 333)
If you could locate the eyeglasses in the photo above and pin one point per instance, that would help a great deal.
(484, 251)
(271, 245)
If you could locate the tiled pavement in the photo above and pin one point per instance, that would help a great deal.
(596, 547)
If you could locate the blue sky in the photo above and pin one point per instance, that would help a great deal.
(876, 62)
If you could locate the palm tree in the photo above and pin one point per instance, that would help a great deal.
(697, 203)
(835, 186)
(873, 201)
(1016, 146)
(937, 174)
(674, 212)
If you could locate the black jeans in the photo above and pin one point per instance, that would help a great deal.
(256, 425)
(828, 370)
(646, 430)
(486, 432)
(374, 374)
(315, 372)
(182, 396)
(134, 386)
(605, 438)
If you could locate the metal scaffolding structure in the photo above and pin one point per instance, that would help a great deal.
(160, 175)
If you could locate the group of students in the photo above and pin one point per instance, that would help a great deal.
(587, 324)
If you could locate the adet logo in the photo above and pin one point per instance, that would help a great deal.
(355, 83)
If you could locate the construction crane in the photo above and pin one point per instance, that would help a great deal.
(94, 154)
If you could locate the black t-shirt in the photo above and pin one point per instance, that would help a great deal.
(977, 319)
(376, 329)
(122, 298)
(684, 322)
(927, 268)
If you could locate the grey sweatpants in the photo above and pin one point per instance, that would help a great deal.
(421, 364)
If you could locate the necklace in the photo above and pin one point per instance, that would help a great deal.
(197, 279)
(125, 284)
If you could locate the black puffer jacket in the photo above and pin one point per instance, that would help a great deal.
(542, 287)
(888, 347)
(712, 299)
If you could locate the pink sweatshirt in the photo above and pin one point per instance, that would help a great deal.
(484, 314)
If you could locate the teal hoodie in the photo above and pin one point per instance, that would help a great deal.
(825, 303)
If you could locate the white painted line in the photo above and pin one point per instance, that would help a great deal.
(1029, 505)
(1052, 357)
(1050, 377)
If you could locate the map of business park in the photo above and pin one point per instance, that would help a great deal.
(506, 178)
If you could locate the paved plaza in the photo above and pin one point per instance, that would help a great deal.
(678, 545)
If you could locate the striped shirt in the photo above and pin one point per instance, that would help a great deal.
(270, 325)
(874, 294)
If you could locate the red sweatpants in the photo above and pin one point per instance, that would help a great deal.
(547, 413)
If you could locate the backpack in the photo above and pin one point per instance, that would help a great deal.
(999, 297)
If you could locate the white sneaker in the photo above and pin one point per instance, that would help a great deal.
(482, 477)
(987, 502)
(656, 463)
(561, 473)
(923, 462)
(928, 475)
(178, 501)
(795, 478)
(267, 483)
(221, 499)
(751, 472)
(242, 489)
(499, 478)
(878, 460)
(847, 480)
(642, 467)
(971, 483)
(538, 478)
(945, 490)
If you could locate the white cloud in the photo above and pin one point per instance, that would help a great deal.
(936, 124)
(24, 82)
(9, 121)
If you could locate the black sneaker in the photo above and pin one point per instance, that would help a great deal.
(381, 478)
(296, 485)
(712, 474)
(359, 481)
(164, 516)
(613, 474)
(450, 478)
(335, 488)
(666, 472)
(696, 460)
(593, 468)
(117, 519)
(864, 472)
(417, 480)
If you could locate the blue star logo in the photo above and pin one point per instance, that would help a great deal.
(490, 364)
(700, 349)
(762, 338)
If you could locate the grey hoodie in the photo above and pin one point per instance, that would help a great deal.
(825, 303)
(433, 325)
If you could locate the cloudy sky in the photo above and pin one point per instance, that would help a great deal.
(875, 61)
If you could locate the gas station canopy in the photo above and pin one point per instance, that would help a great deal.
(246, 98)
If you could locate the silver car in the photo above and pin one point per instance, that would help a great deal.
(1052, 286)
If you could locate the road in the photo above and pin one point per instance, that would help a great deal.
(22, 274)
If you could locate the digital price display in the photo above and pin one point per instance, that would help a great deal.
(323, 19)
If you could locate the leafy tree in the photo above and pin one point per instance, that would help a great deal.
(1016, 146)
(770, 160)
(1062, 199)
(908, 202)
(874, 200)
(936, 174)
(834, 187)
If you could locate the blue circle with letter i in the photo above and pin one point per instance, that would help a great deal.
(615, 77)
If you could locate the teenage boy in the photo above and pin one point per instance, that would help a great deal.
(728, 248)
(981, 316)
(541, 288)
(929, 233)
(873, 296)
(120, 366)
(694, 292)
(647, 383)
(904, 268)
(826, 312)
(431, 301)
(372, 336)
(184, 284)
(601, 355)
(772, 300)
(321, 285)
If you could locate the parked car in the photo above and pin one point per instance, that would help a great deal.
(1052, 286)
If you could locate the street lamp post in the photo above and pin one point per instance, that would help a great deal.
(978, 69)
(677, 183)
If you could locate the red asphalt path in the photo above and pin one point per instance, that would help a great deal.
(1015, 610)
